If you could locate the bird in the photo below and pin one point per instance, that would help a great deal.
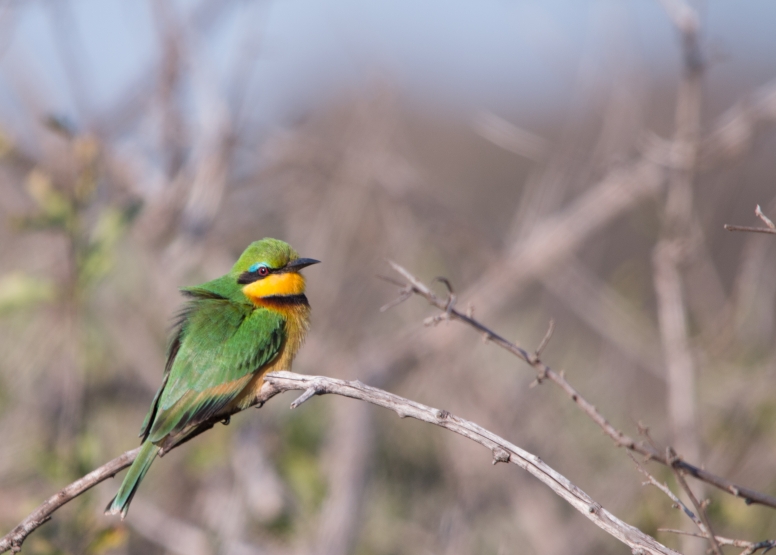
(230, 333)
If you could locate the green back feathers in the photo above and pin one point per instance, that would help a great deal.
(219, 346)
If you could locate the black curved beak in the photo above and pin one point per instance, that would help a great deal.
(299, 263)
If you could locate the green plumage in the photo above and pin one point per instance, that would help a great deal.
(221, 341)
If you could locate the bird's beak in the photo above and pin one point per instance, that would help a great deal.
(299, 263)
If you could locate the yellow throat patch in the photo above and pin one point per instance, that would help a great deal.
(287, 283)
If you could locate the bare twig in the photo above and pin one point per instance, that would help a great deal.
(672, 496)
(543, 371)
(702, 525)
(13, 540)
(771, 228)
(700, 511)
(751, 547)
(278, 382)
(759, 213)
(749, 229)
(545, 340)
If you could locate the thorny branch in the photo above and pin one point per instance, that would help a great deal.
(751, 547)
(544, 372)
(278, 382)
(699, 508)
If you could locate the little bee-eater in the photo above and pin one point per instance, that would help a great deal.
(232, 331)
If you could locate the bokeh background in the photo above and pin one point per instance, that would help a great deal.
(144, 144)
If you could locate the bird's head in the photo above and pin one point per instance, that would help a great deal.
(270, 268)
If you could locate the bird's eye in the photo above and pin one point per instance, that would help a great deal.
(260, 269)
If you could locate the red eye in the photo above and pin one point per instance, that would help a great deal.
(263, 270)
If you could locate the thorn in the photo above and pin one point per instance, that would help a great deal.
(544, 342)
(470, 311)
(451, 298)
(314, 389)
(500, 455)
(446, 282)
(759, 213)
(485, 337)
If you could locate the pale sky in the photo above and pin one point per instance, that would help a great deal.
(462, 55)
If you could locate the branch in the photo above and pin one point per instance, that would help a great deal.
(278, 382)
(502, 450)
(749, 229)
(771, 228)
(699, 507)
(751, 547)
(544, 372)
(672, 496)
(13, 539)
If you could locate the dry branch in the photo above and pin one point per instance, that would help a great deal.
(278, 382)
(13, 539)
(705, 531)
(544, 372)
(502, 450)
(770, 227)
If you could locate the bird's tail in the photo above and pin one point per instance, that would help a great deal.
(120, 503)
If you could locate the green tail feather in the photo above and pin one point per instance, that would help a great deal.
(120, 503)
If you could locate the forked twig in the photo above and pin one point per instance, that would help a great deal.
(770, 227)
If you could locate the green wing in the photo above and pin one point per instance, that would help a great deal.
(219, 346)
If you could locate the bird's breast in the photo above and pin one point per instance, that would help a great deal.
(297, 322)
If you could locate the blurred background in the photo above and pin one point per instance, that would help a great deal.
(571, 159)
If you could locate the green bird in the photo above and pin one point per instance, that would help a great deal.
(230, 333)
